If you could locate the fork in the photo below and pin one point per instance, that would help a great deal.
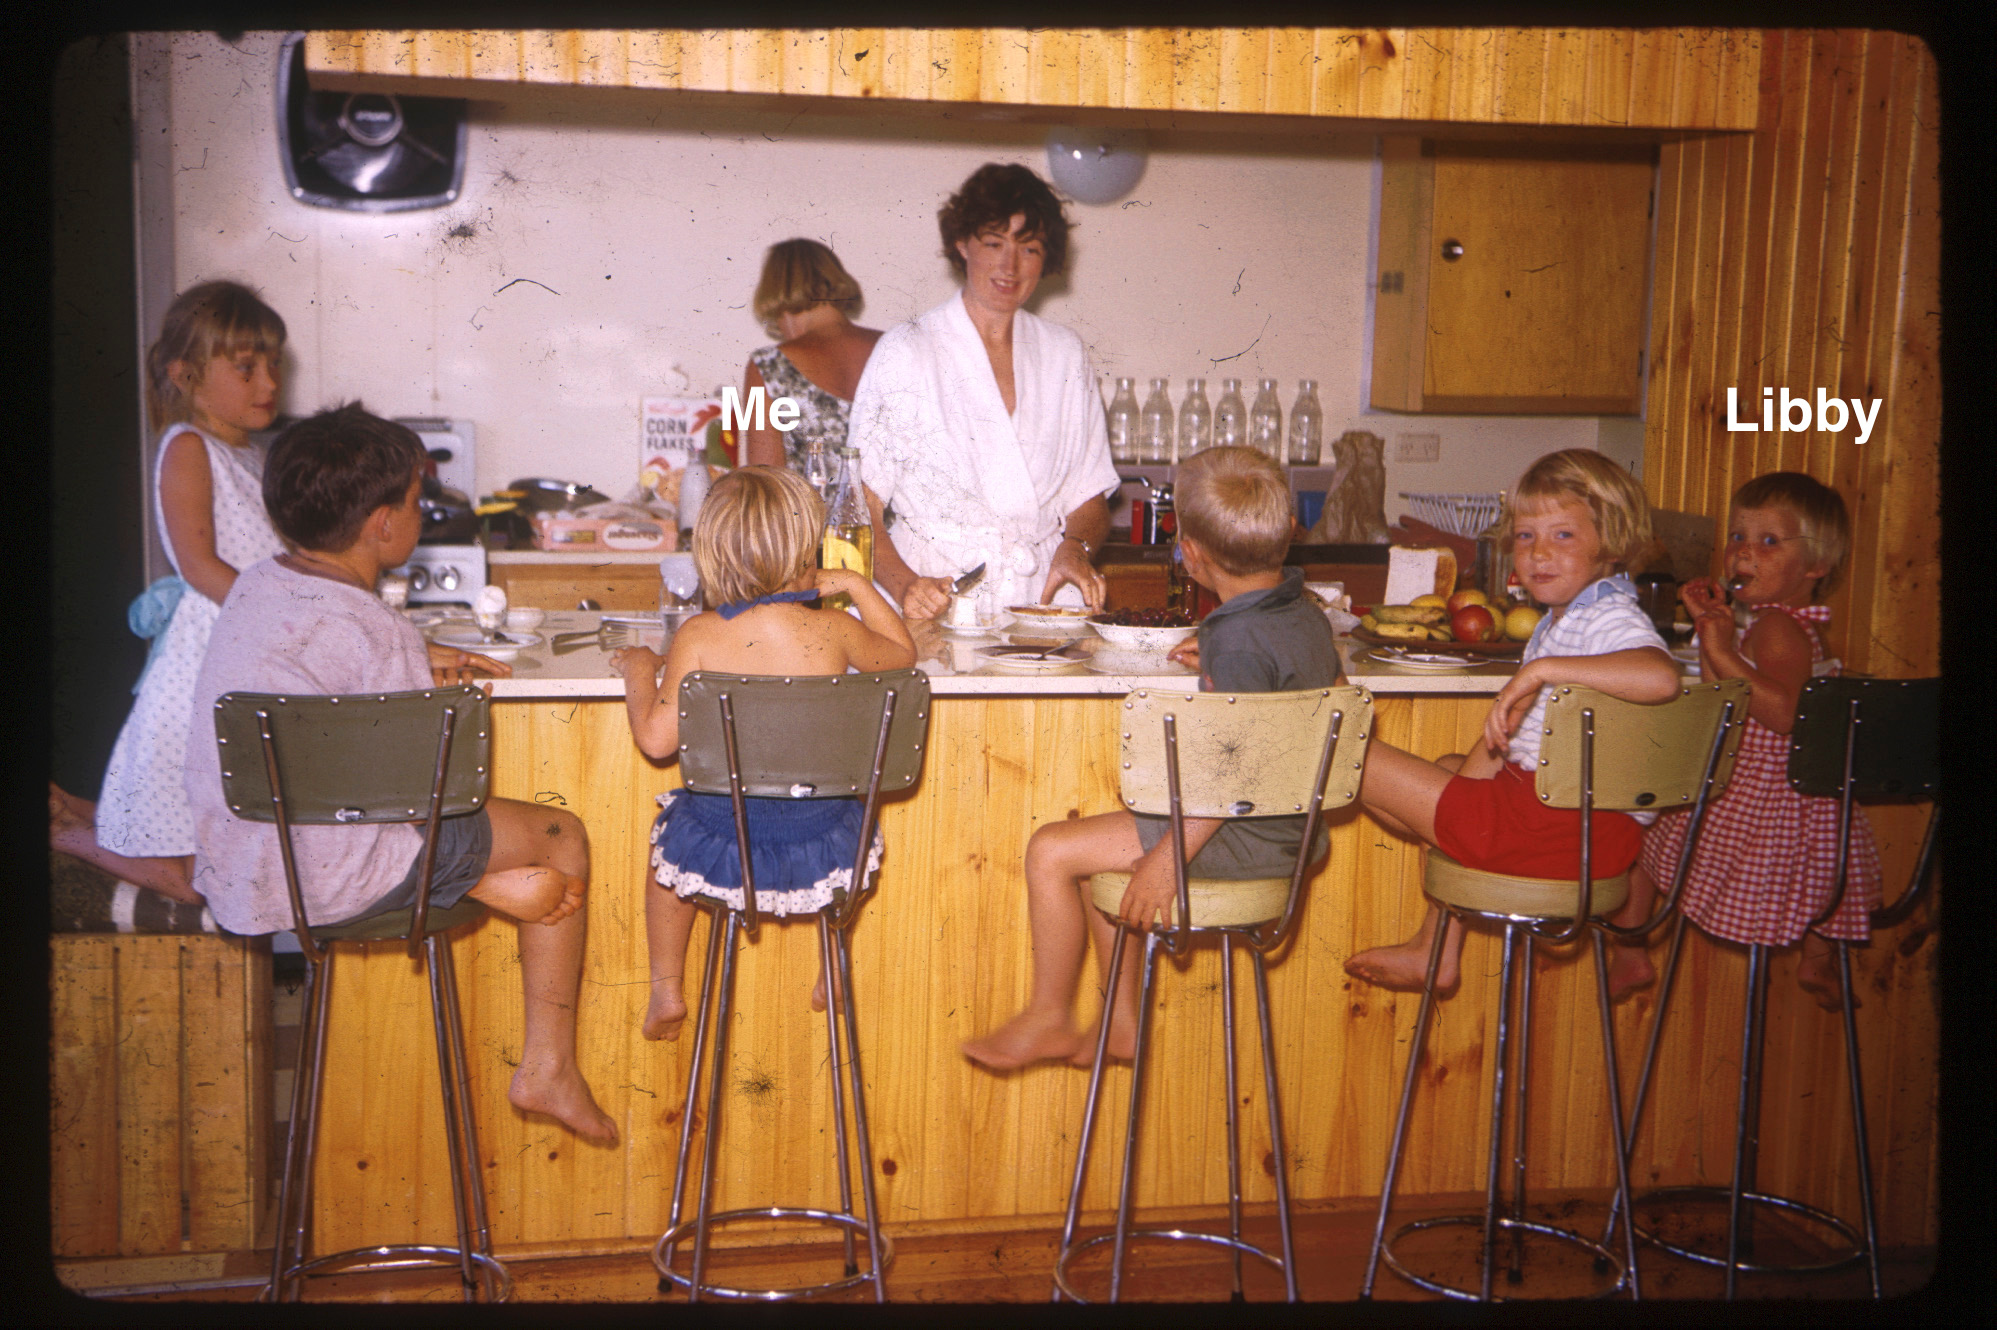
(610, 635)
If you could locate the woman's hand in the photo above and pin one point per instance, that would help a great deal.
(926, 598)
(1070, 566)
(450, 666)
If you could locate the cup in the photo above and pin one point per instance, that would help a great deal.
(963, 612)
(393, 590)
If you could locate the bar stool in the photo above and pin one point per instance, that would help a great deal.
(1309, 748)
(1598, 753)
(416, 756)
(801, 738)
(1853, 739)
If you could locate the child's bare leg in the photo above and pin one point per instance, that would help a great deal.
(1818, 972)
(1123, 1020)
(73, 831)
(551, 845)
(1629, 961)
(1401, 791)
(668, 921)
(1058, 855)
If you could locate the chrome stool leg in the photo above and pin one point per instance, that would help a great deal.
(1743, 1198)
(1122, 1233)
(453, 1090)
(1233, 1119)
(1089, 1110)
(293, 1202)
(1401, 1116)
(1511, 993)
(710, 1059)
(1858, 1119)
(1670, 977)
(1620, 1136)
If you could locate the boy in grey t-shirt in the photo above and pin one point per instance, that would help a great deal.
(1234, 511)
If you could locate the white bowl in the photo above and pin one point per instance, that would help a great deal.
(525, 618)
(1142, 639)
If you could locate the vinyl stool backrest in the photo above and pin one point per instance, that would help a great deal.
(1896, 752)
(805, 737)
(1649, 757)
(1243, 754)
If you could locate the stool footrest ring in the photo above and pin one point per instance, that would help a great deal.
(401, 1256)
(1855, 1245)
(1158, 1235)
(681, 1233)
(1602, 1254)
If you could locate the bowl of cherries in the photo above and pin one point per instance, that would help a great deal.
(1143, 630)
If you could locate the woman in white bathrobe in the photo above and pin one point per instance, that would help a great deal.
(980, 424)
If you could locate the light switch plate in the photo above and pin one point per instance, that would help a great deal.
(1417, 447)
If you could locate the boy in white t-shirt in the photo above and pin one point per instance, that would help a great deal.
(1575, 520)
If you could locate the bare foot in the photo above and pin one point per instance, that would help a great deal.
(1122, 1040)
(563, 1095)
(72, 822)
(1629, 970)
(572, 894)
(667, 1011)
(1403, 966)
(1026, 1038)
(818, 991)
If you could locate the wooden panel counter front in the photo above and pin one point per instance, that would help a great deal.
(941, 953)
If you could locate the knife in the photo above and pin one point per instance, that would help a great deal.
(967, 581)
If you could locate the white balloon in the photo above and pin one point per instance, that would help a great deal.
(1095, 165)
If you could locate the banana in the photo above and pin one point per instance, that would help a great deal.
(1412, 632)
(1410, 614)
(1369, 623)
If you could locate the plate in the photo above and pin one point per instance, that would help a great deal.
(986, 629)
(1423, 660)
(1137, 664)
(1032, 658)
(470, 639)
(1499, 649)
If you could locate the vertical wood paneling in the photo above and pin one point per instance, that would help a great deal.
(84, 1164)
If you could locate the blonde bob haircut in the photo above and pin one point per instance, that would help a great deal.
(203, 322)
(1236, 503)
(799, 275)
(757, 532)
(1820, 516)
(1609, 492)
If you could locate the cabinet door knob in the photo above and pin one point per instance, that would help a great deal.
(1452, 250)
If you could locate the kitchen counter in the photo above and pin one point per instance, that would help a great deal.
(955, 669)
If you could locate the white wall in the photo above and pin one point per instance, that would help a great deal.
(605, 247)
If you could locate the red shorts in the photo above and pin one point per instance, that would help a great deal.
(1500, 826)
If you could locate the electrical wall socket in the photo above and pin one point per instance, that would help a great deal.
(1417, 447)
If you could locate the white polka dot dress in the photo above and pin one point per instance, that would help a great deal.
(142, 809)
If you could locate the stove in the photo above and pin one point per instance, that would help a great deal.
(446, 574)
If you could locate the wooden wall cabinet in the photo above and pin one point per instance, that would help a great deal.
(1512, 277)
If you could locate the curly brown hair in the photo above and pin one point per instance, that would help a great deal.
(990, 199)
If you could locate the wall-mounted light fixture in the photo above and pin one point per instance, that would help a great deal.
(1095, 165)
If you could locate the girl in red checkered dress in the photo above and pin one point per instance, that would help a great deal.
(1767, 858)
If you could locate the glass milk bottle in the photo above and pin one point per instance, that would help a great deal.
(1306, 426)
(1195, 419)
(1230, 418)
(1154, 427)
(1123, 422)
(1265, 421)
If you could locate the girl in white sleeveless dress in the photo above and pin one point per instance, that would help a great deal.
(212, 380)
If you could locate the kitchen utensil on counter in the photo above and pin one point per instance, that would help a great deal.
(524, 618)
(393, 590)
(540, 495)
(613, 634)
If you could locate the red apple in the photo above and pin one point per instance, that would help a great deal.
(1473, 623)
(1467, 596)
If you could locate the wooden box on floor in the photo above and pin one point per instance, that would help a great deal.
(159, 1104)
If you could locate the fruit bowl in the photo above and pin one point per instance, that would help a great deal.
(1128, 637)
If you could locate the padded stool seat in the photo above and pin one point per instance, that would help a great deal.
(1476, 891)
(1217, 902)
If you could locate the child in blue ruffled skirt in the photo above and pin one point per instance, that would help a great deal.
(756, 545)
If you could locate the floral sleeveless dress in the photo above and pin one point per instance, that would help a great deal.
(823, 418)
(142, 808)
(1767, 858)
